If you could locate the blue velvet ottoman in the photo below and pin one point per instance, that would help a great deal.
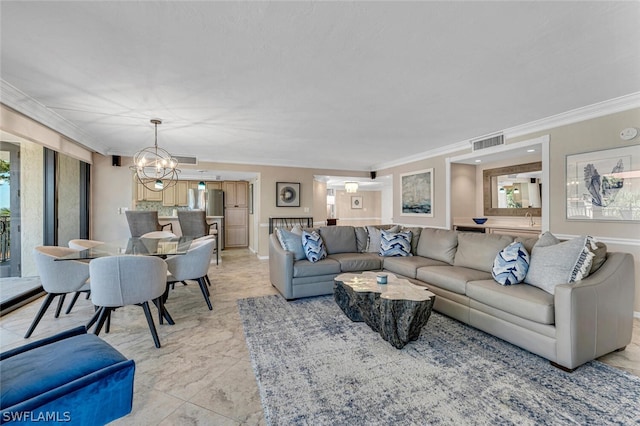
(72, 377)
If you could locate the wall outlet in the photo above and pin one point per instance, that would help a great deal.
(306, 209)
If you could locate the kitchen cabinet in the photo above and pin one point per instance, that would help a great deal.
(236, 227)
(214, 185)
(176, 195)
(236, 193)
(144, 194)
(236, 213)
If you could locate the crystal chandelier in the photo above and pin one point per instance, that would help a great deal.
(154, 167)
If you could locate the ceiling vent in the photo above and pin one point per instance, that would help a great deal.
(186, 160)
(496, 140)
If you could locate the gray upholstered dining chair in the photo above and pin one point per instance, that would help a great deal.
(81, 244)
(194, 265)
(141, 222)
(57, 278)
(193, 223)
(118, 281)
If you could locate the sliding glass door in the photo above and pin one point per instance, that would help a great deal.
(44, 200)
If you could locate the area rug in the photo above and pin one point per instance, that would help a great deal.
(316, 367)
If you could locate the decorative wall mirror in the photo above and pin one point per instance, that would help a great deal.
(513, 190)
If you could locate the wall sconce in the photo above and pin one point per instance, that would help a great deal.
(201, 185)
(351, 186)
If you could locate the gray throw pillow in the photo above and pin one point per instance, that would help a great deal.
(600, 255)
(291, 242)
(554, 264)
(362, 238)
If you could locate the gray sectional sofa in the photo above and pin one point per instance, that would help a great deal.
(580, 322)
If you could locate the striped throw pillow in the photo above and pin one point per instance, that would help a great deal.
(511, 264)
(313, 246)
(395, 244)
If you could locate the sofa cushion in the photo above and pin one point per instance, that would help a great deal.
(559, 263)
(478, 251)
(511, 264)
(374, 232)
(313, 246)
(304, 268)
(415, 237)
(339, 239)
(524, 301)
(355, 262)
(407, 266)
(452, 278)
(438, 244)
(291, 241)
(362, 238)
(528, 243)
(395, 244)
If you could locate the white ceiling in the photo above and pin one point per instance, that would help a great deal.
(342, 85)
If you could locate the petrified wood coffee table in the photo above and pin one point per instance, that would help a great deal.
(397, 310)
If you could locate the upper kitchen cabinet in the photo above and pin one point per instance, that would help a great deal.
(176, 195)
(214, 185)
(144, 194)
(236, 193)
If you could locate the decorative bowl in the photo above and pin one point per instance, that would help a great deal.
(479, 220)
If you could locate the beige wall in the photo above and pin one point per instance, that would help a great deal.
(31, 204)
(589, 135)
(369, 214)
(68, 199)
(463, 183)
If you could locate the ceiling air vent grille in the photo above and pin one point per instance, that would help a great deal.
(186, 160)
(488, 142)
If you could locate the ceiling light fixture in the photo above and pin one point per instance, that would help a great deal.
(202, 185)
(351, 186)
(154, 167)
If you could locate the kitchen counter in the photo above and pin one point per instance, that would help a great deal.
(497, 226)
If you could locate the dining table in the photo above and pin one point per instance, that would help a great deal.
(138, 246)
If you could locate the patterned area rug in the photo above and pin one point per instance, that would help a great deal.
(314, 366)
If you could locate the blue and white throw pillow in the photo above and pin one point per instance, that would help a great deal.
(313, 246)
(290, 241)
(395, 244)
(511, 264)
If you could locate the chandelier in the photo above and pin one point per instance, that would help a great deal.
(351, 186)
(154, 167)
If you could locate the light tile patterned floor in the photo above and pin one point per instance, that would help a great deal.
(202, 374)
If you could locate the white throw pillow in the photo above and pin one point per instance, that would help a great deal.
(561, 263)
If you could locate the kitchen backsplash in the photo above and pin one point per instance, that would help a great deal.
(157, 205)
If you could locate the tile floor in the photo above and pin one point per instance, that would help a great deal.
(202, 374)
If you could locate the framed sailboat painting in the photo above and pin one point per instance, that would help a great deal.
(416, 189)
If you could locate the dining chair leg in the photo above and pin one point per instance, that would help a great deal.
(94, 318)
(73, 302)
(60, 302)
(107, 327)
(205, 292)
(152, 326)
(43, 308)
(104, 313)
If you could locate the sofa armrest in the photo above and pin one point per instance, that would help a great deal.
(280, 267)
(595, 316)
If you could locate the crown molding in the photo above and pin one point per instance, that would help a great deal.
(600, 109)
(28, 106)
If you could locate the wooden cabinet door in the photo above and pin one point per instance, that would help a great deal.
(181, 190)
(236, 227)
(242, 194)
(214, 185)
(229, 188)
(169, 197)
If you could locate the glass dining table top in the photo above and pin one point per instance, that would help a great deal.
(136, 246)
